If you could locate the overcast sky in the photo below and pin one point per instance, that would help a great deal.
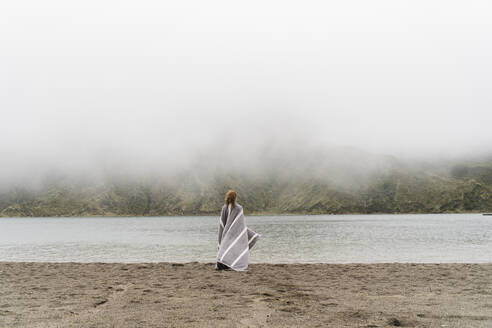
(162, 80)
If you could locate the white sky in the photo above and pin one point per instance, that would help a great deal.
(166, 79)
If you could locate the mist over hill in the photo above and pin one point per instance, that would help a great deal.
(305, 181)
(157, 108)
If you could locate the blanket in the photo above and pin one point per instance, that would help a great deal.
(235, 238)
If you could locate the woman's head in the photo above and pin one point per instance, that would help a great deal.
(230, 198)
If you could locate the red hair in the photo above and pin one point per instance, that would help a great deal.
(230, 198)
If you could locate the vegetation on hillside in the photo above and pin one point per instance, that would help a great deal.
(317, 186)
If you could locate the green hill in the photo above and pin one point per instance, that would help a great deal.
(317, 184)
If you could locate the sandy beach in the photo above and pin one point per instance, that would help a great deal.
(268, 295)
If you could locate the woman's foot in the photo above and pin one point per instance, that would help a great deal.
(221, 266)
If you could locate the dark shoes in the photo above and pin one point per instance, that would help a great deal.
(221, 266)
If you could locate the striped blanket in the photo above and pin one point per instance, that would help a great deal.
(235, 239)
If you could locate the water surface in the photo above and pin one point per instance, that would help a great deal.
(285, 239)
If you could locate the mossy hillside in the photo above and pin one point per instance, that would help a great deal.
(283, 190)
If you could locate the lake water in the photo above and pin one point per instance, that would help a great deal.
(285, 239)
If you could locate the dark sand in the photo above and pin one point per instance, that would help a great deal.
(294, 295)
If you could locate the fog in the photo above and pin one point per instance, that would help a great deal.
(158, 85)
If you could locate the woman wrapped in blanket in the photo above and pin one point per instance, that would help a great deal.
(235, 238)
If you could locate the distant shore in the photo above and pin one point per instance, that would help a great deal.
(247, 214)
(268, 295)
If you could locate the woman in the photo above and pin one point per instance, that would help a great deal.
(235, 239)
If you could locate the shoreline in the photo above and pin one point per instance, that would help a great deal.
(247, 214)
(161, 294)
(2, 262)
